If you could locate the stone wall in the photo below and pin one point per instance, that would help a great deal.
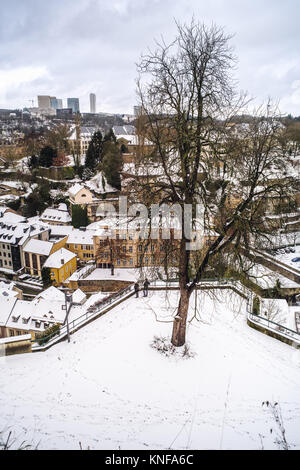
(102, 285)
(15, 345)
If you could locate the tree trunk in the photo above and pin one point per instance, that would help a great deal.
(179, 325)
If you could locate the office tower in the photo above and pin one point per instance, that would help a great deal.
(73, 103)
(92, 103)
(44, 101)
(56, 103)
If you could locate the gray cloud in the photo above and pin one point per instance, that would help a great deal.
(71, 48)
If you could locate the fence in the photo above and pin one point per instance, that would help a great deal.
(279, 331)
(91, 314)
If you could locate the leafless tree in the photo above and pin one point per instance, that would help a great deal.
(189, 99)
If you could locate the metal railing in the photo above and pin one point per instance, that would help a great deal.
(90, 313)
(270, 325)
(102, 305)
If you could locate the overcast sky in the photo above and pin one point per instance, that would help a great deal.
(69, 48)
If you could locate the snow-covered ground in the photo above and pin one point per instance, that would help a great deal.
(108, 389)
(287, 258)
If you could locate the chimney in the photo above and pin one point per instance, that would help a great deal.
(62, 261)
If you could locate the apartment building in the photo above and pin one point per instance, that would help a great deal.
(15, 232)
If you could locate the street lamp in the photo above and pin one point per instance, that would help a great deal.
(67, 307)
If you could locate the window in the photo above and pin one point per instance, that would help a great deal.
(130, 249)
(118, 262)
(124, 249)
(27, 260)
(11, 333)
(131, 261)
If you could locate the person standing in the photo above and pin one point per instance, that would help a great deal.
(146, 287)
(136, 289)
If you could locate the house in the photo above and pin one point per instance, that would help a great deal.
(78, 297)
(62, 264)
(79, 195)
(9, 295)
(15, 232)
(56, 216)
(22, 317)
(106, 196)
(85, 137)
(36, 252)
(80, 242)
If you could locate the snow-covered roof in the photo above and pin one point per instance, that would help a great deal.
(61, 230)
(59, 258)
(7, 303)
(56, 215)
(18, 233)
(11, 217)
(75, 189)
(99, 185)
(78, 297)
(123, 130)
(39, 247)
(63, 207)
(52, 293)
(80, 237)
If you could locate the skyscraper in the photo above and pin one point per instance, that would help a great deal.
(92, 103)
(73, 103)
(44, 101)
(56, 103)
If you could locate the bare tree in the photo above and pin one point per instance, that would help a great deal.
(188, 98)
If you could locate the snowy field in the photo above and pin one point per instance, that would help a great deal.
(108, 389)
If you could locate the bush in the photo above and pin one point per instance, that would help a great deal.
(48, 334)
(165, 347)
(68, 173)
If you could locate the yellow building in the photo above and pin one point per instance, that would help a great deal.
(62, 264)
(80, 242)
(36, 252)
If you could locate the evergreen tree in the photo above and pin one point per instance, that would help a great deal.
(46, 277)
(33, 161)
(79, 216)
(112, 164)
(94, 153)
(47, 155)
(110, 137)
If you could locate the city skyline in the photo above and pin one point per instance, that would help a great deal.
(110, 37)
